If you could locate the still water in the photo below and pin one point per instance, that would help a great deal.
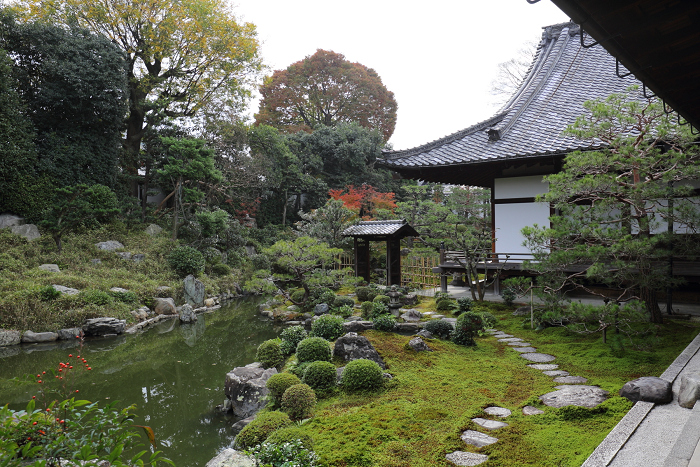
(174, 374)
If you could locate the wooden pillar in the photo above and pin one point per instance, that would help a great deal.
(362, 258)
(443, 276)
(393, 261)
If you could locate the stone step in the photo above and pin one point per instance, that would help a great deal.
(685, 451)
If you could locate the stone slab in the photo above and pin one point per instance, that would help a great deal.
(489, 424)
(571, 380)
(109, 245)
(578, 395)
(477, 439)
(50, 267)
(498, 411)
(466, 459)
(502, 335)
(30, 337)
(545, 366)
(28, 231)
(65, 290)
(538, 357)
(689, 391)
(530, 410)
(525, 349)
(510, 339)
(520, 344)
(556, 373)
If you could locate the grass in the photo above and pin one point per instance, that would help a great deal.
(433, 396)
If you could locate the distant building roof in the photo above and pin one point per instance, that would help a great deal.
(381, 229)
(562, 77)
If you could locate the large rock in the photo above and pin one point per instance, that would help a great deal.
(578, 395)
(187, 314)
(164, 306)
(689, 391)
(648, 389)
(28, 231)
(30, 337)
(104, 326)
(412, 316)
(153, 230)
(10, 220)
(245, 388)
(351, 346)
(109, 245)
(418, 345)
(408, 327)
(321, 309)
(357, 326)
(68, 334)
(9, 337)
(410, 299)
(50, 267)
(230, 458)
(194, 291)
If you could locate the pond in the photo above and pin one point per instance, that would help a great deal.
(174, 374)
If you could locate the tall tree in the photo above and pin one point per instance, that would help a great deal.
(325, 89)
(181, 55)
(511, 73)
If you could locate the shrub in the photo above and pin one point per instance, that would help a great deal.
(365, 294)
(341, 301)
(283, 453)
(290, 434)
(381, 299)
(299, 368)
(379, 308)
(291, 337)
(320, 376)
(260, 262)
(185, 260)
(299, 401)
(467, 326)
(385, 322)
(313, 349)
(48, 293)
(464, 304)
(269, 354)
(487, 320)
(439, 328)
(221, 269)
(445, 304)
(298, 296)
(361, 375)
(345, 311)
(279, 383)
(260, 428)
(95, 297)
(128, 297)
(367, 310)
(508, 296)
(329, 327)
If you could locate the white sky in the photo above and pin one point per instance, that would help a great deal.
(437, 57)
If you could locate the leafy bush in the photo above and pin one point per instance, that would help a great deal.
(367, 310)
(487, 320)
(467, 326)
(260, 428)
(279, 383)
(381, 299)
(269, 354)
(185, 260)
(260, 262)
(291, 337)
(298, 296)
(48, 293)
(345, 311)
(365, 294)
(298, 401)
(329, 327)
(342, 301)
(361, 375)
(508, 296)
(385, 322)
(221, 269)
(95, 297)
(128, 297)
(464, 304)
(313, 349)
(290, 434)
(439, 328)
(379, 308)
(292, 453)
(445, 304)
(320, 376)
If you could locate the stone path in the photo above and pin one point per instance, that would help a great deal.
(571, 391)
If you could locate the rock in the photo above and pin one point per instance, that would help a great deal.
(268, 314)
(230, 458)
(125, 255)
(96, 261)
(498, 411)
(187, 314)
(68, 334)
(30, 337)
(65, 290)
(139, 315)
(138, 258)
(546, 366)
(437, 316)
(489, 424)
(357, 326)
(153, 230)
(118, 290)
(9, 337)
(522, 311)
(410, 299)
(519, 344)
(525, 349)
(50, 267)
(250, 250)
(240, 424)
(571, 380)
(209, 302)
(648, 389)
(689, 391)
(411, 328)
(109, 245)
(581, 396)
(245, 388)
(538, 357)
(418, 345)
(164, 306)
(412, 316)
(510, 339)
(28, 231)
(10, 220)
(321, 308)
(467, 459)
(104, 326)
(477, 439)
(556, 373)
(293, 308)
(425, 334)
(353, 347)
(452, 321)
(502, 335)
(530, 410)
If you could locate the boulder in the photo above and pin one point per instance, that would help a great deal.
(418, 345)
(209, 302)
(321, 308)
(240, 424)
(164, 306)
(30, 337)
(194, 291)
(10, 220)
(230, 458)
(425, 334)
(104, 326)
(412, 316)
(689, 391)
(109, 245)
(153, 230)
(351, 346)
(125, 255)
(648, 389)
(410, 299)
(65, 290)
(9, 337)
(357, 326)
(68, 334)
(50, 267)
(408, 327)
(187, 314)
(245, 388)
(28, 231)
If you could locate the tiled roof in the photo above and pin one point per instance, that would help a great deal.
(561, 78)
(379, 228)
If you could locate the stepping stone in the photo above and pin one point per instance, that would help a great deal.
(489, 424)
(497, 411)
(520, 344)
(571, 380)
(510, 339)
(501, 335)
(538, 357)
(578, 395)
(466, 458)
(492, 331)
(546, 366)
(525, 349)
(556, 373)
(477, 439)
(530, 410)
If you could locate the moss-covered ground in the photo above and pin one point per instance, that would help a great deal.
(433, 396)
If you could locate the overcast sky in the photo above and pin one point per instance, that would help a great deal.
(438, 57)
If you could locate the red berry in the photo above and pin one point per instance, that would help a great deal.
(48, 410)
(39, 381)
(76, 390)
(70, 354)
(34, 423)
(70, 367)
(33, 397)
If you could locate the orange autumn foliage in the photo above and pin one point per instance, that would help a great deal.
(365, 201)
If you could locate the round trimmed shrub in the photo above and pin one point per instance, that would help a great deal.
(291, 337)
(279, 383)
(329, 327)
(382, 299)
(125, 297)
(467, 326)
(290, 434)
(95, 297)
(298, 401)
(363, 294)
(341, 301)
(439, 328)
(260, 428)
(367, 310)
(320, 376)
(361, 375)
(487, 320)
(314, 349)
(385, 323)
(464, 304)
(270, 354)
(221, 269)
(298, 296)
(185, 260)
(345, 311)
(445, 304)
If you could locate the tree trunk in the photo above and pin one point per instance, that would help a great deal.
(144, 200)
(178, 191)
(284, 210)
(59, 244)
(649, 296)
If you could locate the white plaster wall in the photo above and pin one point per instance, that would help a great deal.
(511, 218)
(519, 187)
